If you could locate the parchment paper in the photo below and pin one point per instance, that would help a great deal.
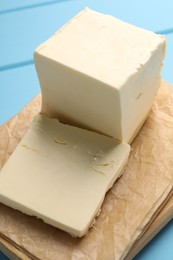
(129, 207)
(164, 216)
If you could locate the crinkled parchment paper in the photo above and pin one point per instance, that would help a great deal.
(162, 218)
(129, 207)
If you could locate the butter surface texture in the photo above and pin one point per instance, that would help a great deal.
(61, 173)
(100, 73)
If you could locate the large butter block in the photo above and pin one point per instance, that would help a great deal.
(100, 73)
(61, 173)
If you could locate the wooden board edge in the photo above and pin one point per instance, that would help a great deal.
(11, 251)
(163, 217)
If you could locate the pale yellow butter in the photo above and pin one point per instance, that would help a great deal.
(61, 173)
(100, 73)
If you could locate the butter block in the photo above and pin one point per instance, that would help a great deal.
(61, 173)
(100, 73)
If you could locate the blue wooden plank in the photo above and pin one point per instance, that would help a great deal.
(167, 72)
(8, 4)
(154, 12)
(18, 5)
(3, 257)
(152, 15)
(22, 31)
(17, 87)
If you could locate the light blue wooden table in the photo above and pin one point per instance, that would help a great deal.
(25, 24)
